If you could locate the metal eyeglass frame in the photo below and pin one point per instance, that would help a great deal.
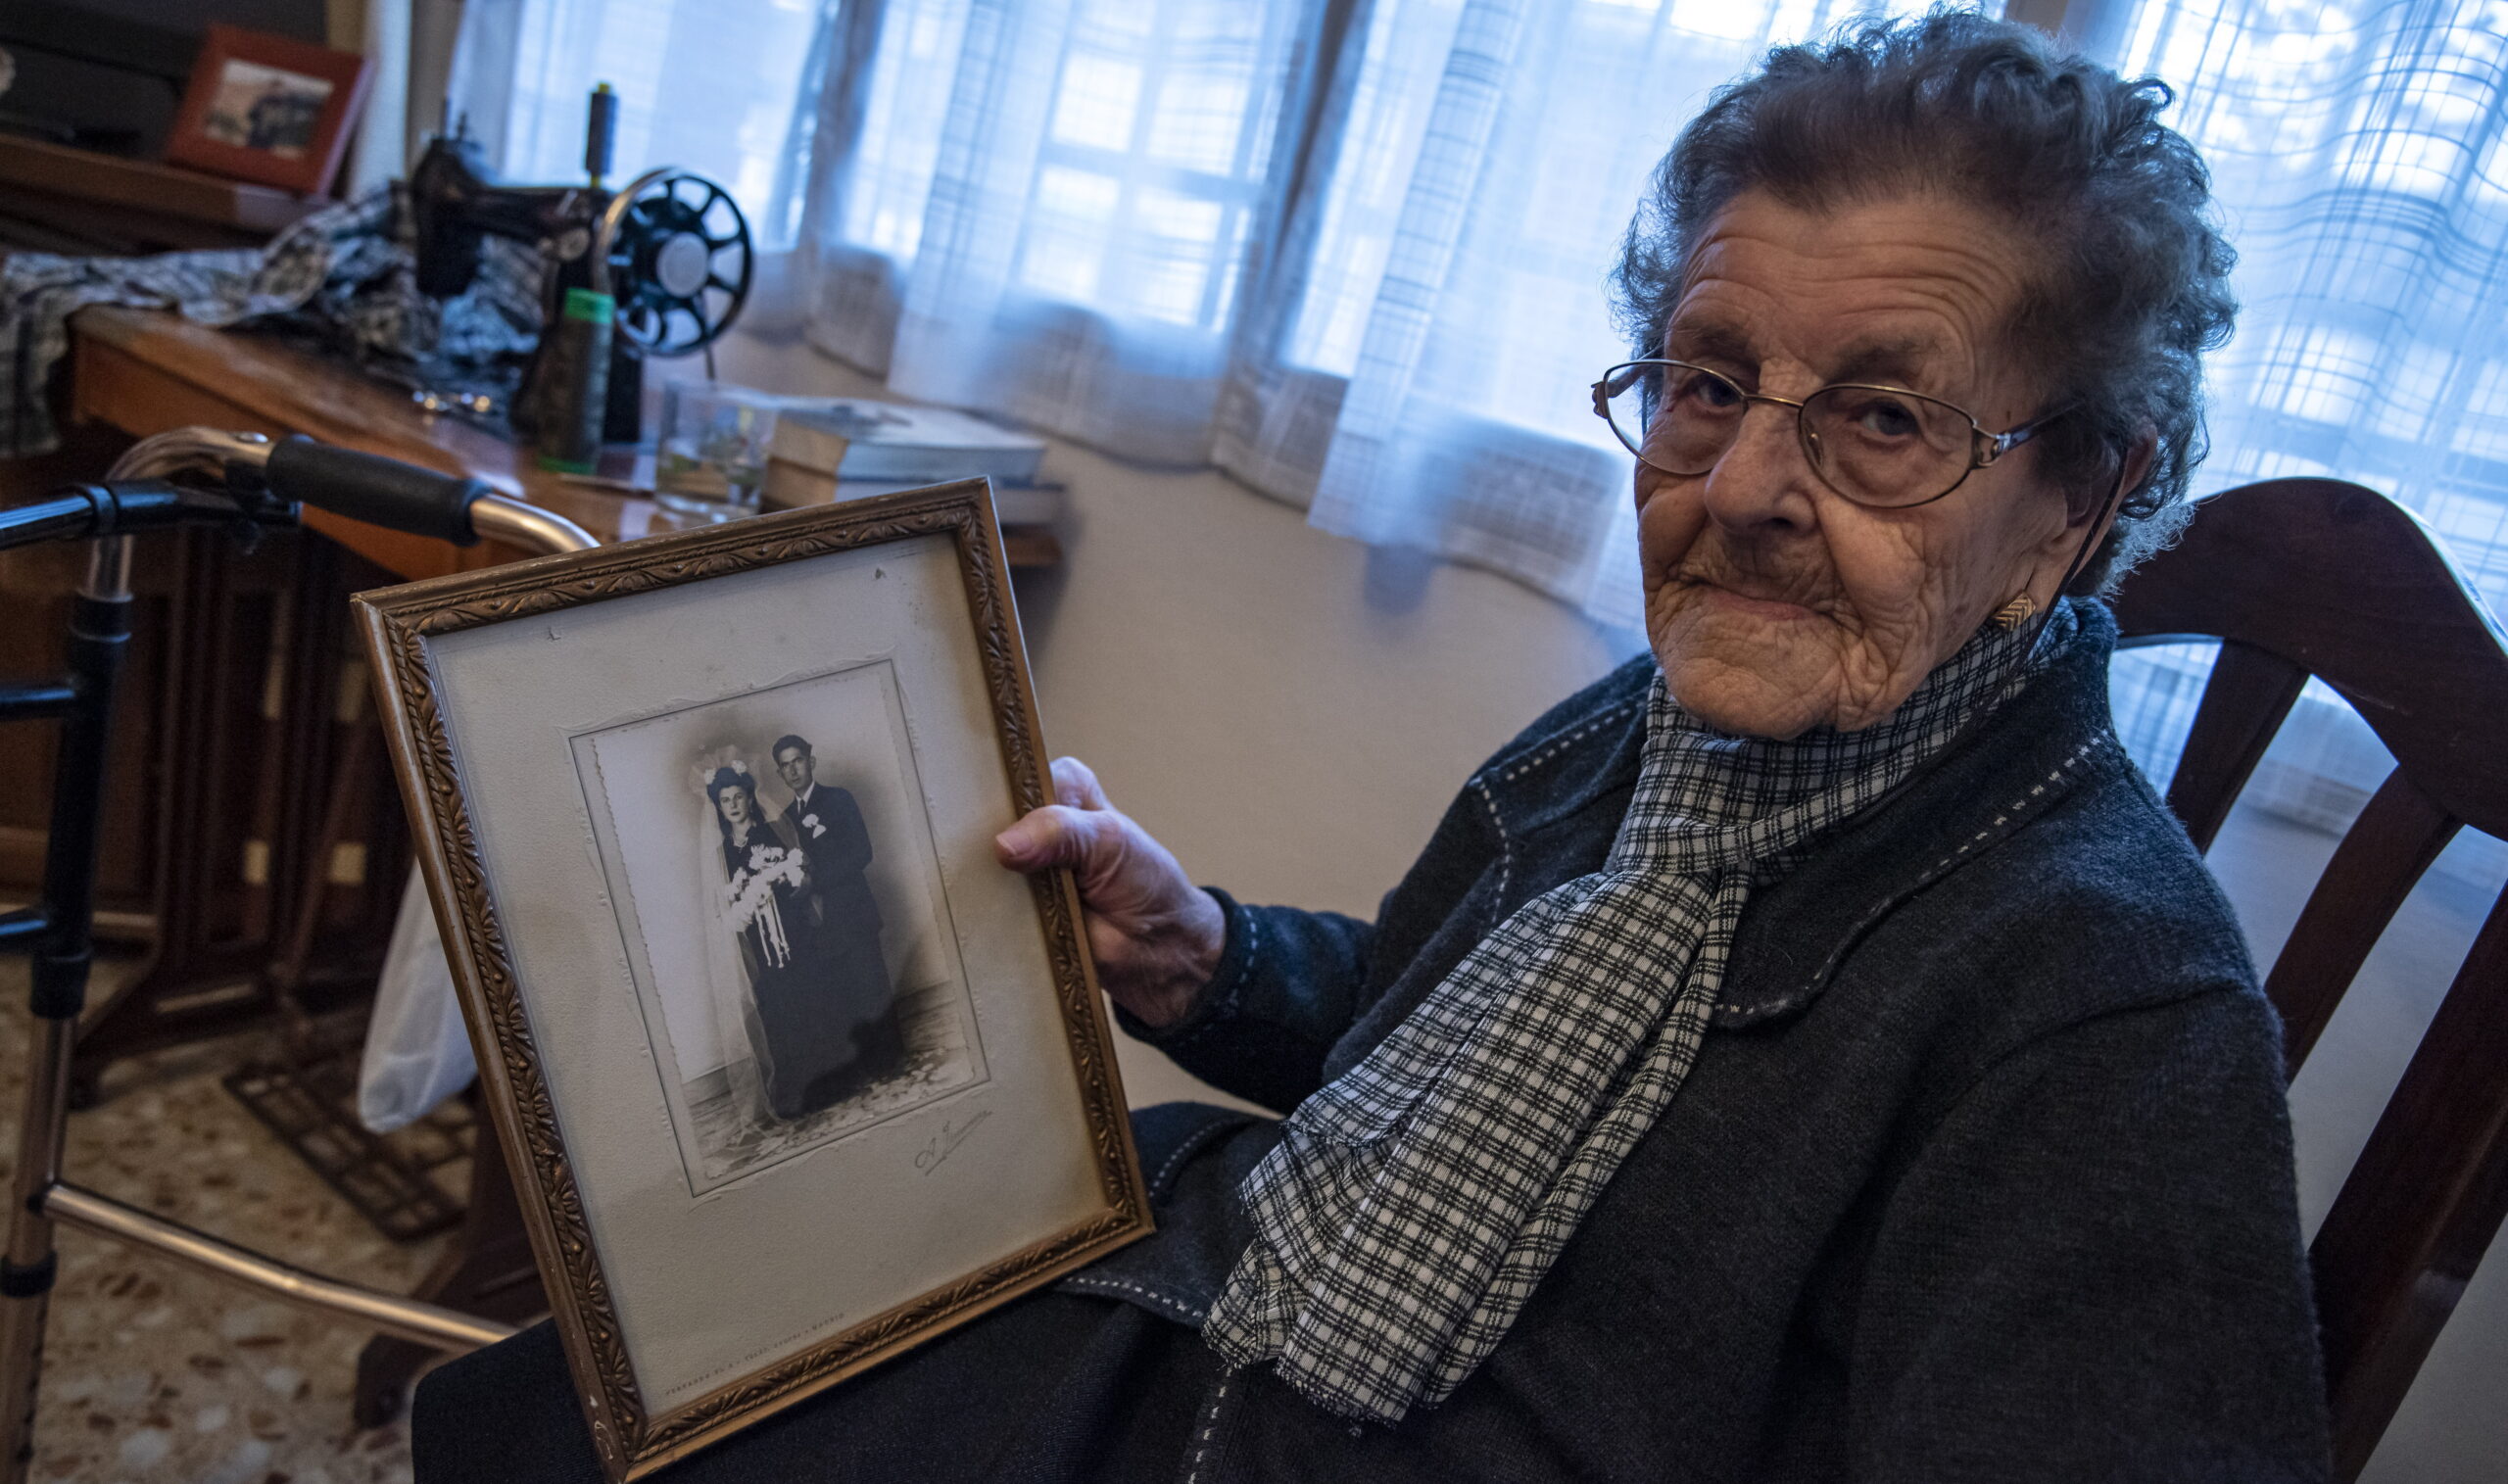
(1983, 446)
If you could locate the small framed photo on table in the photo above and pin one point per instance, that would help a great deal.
(790, 1073)
(268, 109)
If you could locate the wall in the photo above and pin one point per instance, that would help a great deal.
(1288, 713)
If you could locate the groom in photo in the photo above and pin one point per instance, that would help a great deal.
(845, 919)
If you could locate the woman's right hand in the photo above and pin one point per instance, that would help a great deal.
(1156, 937)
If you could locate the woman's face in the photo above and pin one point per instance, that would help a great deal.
(1774, 603)
(734, 802)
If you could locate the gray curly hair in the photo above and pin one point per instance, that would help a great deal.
(2133, 286)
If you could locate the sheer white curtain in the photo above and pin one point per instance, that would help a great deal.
(1353, 252)
(1047, 210)
(1493, 154)
(722, 87)
(2360, 152)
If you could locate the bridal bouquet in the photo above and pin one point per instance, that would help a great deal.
(752, 889)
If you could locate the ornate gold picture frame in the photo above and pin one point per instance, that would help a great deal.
(791, 1075)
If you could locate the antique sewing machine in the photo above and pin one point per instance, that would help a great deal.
(671, 247)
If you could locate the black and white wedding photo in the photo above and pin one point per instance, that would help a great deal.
(774, 877)
(716, 816)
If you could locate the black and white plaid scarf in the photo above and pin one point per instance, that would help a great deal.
(1413, 1202)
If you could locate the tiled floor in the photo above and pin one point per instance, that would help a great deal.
(157, 1375)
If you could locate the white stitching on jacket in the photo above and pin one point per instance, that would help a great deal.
(1210, 1424)
(1186, 1149)
(1938, 867)
(1225, 1005)
(1558, 745)
(1505, 845)
(1085, 1283)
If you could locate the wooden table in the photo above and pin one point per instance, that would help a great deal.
(145, 373)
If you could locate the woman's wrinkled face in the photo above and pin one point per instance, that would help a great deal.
(1774, 603)
(734, 803)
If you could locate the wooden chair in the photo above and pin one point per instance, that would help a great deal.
(2300, 577)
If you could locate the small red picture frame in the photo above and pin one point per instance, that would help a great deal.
(268, 109)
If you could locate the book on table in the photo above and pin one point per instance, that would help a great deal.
(894, 442)
(826, 452)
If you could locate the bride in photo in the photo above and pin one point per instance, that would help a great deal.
(805, 1049)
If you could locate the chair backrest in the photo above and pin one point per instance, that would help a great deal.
(2300, 577)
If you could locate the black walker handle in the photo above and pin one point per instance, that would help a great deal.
(378, 491)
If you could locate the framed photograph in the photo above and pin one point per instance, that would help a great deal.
(791, 1073)
(268, 109)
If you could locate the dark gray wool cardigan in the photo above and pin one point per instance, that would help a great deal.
(1983, 1173)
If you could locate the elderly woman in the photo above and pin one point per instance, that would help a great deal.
(1811, 1052)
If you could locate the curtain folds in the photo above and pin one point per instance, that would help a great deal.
(1431, 450)
(2359, 151)
(722, 87)
(1048, 210)
(1354, 252)
(1498, 149)
(2360, 154)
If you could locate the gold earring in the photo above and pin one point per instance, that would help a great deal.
(2013, 614)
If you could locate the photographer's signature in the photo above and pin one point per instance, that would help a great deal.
(946, 1143)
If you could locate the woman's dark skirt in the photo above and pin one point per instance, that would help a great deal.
(1053, 1387)
(828, 1015)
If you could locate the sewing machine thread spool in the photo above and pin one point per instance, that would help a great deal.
(601, 125)
(575, 382)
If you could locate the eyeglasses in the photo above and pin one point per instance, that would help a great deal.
(1875, 445)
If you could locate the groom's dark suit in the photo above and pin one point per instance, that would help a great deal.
(837, 847)
(843, 938)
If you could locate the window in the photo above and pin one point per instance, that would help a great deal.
(2356, 150)
(708, 85)
(1126, 150)
(1513, 162)
(1106, 219)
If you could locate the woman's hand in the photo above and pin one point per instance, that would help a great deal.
(1156, 936)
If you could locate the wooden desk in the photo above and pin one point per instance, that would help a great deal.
(144, 372)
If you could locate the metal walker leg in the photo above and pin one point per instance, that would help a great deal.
(64, 951)
(58, 932)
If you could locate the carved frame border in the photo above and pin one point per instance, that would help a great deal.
(398, 622)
